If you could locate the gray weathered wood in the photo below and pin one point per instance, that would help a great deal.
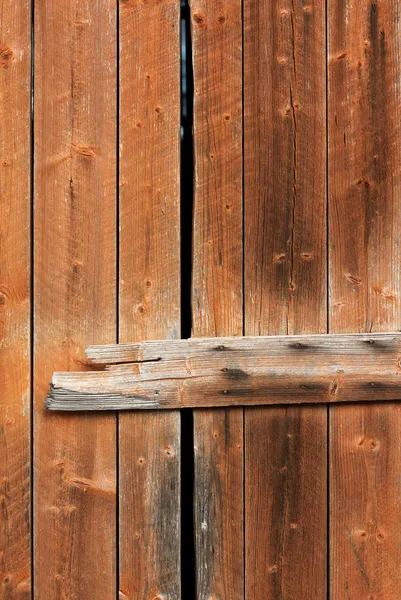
(208, 372)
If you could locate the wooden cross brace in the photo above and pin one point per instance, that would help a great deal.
(208, 372)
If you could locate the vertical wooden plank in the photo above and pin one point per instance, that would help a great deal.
(217, 287)
(15, 59)
(75, 299)
(285, 289)
(365, 253)
(149, 445)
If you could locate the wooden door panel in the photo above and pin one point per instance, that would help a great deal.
(149, 290)
(364, 234)
(15, 300)
(285, 290)
(295, 230)
(75, 105)
(217, 288)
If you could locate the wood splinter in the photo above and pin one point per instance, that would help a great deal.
(233, 371)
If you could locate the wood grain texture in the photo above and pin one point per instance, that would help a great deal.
(365, 252)
(75, 299)
(15, 542)
(239, 371)
(282, 350)
(285, 280)
(217, 287)
(149, 289)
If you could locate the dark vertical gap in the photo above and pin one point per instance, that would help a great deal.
(328, 297)
(31, 293)
(117, 291)
(188, 564)
(187, 169)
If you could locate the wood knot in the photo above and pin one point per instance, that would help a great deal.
(385, 293)
(76, 267)
(199, 19)
(6, 56)
(168, 451)
(354, 279)
(84, 150)
(380, 536)
(141, 310)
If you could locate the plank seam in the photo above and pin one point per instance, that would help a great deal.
(31, 292)
(117, 290)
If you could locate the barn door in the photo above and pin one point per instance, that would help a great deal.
(224, 168)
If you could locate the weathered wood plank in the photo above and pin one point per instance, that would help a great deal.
(149, 289)
(285, 350)
(285, 289)
(15, 58)
(75, 299)
(217, 287)
(365, 294)
(239, 371)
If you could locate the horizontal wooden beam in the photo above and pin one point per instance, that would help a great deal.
(209, 372)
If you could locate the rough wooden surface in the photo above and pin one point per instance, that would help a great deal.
(233, 371)
(365, 256)
(149, 290)
(74, 285)
(217, 287)
(364, 350)
(285, 289)
(15, 56)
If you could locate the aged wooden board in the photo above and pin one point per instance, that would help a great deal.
(149, 290)
(362, 349)
(285, 289)
(236, 371)
(365, 295)
(75, 292)
(15, 84)
(217, 287)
